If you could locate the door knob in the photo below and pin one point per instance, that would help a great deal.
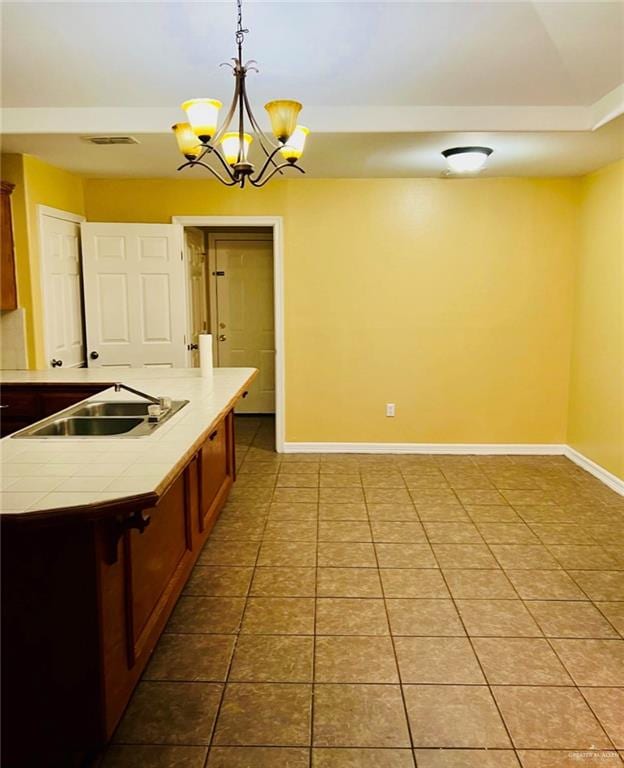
(94, 355)
(222, 337)
(56, 363)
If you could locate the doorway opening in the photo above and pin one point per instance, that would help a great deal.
(234, 290)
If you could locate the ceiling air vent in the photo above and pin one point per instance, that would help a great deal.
(110, 139)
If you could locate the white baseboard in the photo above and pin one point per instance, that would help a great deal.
(480, 449)
(594, 469)
(484, 449)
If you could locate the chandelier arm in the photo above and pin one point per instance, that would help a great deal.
(212, 170)
(258, 183)
(224, 163)
(268, 162)
(230, 114)
(259, 132)
(241, 113)
(213, 151)
(261, 135)
(203, 154)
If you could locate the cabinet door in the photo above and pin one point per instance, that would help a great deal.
(8, 285)
(158, 558)
(20, 407)
(56, 398)
(216, 473)
(24, 404)
(140, 577)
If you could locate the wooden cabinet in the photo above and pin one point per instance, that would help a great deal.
(49, 630)
(156, 554)
(19, 408)
(216, 473)
(8, 282)
(24, 404)
(85, 598)
(142, 565)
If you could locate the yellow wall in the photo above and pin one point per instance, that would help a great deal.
(37, 183)
(596, 415)
(462, 301)
(451, 298)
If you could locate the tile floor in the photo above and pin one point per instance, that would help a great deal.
(380, 611)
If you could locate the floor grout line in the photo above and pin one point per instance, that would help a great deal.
(577, 687)
(312, 702)
(231, 661)
(394, 652)
(485, 677)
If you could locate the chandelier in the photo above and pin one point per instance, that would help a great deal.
(199, 139)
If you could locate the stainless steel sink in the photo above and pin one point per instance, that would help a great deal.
(121, 408)
(101, 419)
(86, 427)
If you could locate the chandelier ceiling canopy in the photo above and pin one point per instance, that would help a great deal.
(201, 138)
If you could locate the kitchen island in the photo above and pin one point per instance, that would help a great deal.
(99, 535)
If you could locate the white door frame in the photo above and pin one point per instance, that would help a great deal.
(189, 299)
(75, 218)
(276, 224)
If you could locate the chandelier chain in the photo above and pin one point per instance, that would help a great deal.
(240, 31)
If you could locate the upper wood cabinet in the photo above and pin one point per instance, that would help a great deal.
(8, 284)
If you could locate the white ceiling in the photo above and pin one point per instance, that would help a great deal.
(408, 78)
(115, 54)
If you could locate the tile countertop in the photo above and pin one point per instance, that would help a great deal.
(42, 474)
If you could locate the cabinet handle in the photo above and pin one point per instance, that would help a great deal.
(139, 520)
(245, 393)
(213, 435)
(56, 363)
(119, 525)
(94, 355)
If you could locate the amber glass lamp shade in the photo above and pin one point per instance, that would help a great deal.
(283, 114)
(203, 115)
(230, 144)
(187, 140)
(293, 149)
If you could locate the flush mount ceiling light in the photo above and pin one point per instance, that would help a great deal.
(466, 159)
(200, 140)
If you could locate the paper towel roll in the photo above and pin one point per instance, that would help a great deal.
(205, 355)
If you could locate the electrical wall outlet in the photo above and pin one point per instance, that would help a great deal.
(389, 409)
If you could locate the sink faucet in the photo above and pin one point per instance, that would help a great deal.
(160, 401)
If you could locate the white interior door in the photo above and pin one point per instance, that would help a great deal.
(135, 299)
(197, 289)
(242, 316)
(62, 292)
